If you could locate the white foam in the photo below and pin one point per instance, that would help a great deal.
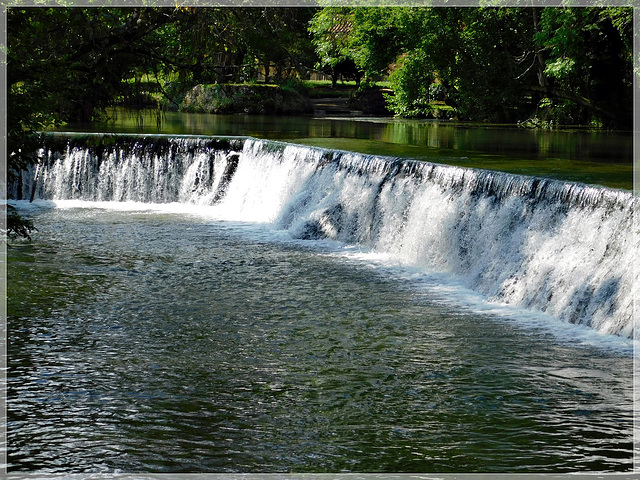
(562, 252)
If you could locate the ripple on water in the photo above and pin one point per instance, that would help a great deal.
(219, 350)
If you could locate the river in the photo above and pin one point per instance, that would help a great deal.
(199, 305)
(580, 155)
(149, 340)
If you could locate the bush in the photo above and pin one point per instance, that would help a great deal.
(410, 82)
(245, 98)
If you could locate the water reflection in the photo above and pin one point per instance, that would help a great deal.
(604, 158)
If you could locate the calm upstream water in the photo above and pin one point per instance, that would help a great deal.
(594, 157)
(198, 304)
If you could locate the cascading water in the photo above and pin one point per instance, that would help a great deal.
(560, 248)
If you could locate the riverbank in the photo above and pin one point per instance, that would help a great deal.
(304, 98)
(298, 98)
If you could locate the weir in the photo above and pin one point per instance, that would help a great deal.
(560, 248)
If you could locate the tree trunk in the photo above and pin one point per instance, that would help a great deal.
(541, 60)
(578, 99)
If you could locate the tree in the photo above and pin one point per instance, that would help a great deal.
(588, 63)
(331, 28)
(222, 45)
(572, 65)
(17, 226)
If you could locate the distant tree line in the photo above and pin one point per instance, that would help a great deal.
(567, 65)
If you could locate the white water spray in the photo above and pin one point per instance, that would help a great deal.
(560, 248)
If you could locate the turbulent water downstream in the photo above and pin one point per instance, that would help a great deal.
(560, 248)
(231, 304)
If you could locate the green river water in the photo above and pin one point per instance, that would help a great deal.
(159, 338)
(593, 157)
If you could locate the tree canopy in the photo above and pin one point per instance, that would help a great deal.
(572, 65)
(568, 65)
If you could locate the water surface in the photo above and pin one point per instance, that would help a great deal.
(165, 341)
(593, 157)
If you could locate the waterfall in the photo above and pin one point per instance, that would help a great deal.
(561, 248)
